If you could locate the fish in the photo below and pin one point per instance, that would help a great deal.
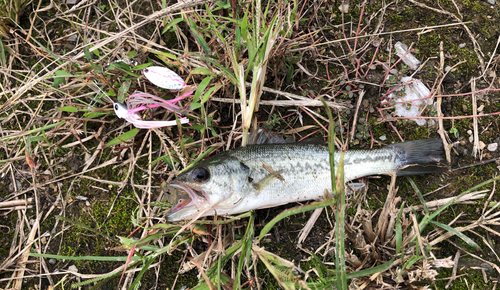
(270, 175)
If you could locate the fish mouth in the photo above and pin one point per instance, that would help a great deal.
(183, 196)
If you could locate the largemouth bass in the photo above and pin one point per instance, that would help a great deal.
(263, 176)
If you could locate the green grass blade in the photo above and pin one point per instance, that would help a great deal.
(3, 52)
(293, 211)
(371, 271)
(199, 37)
(419, 193)
(123, 137)
(210, 149)
(458, 233)
(172, 23)
(245, 252)
(338, 190)
(224, 259)
(426, 219)
(201, 87)
(145, 267)
(17, 135)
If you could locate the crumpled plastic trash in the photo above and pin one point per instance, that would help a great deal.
(404, 96)
(409, 59)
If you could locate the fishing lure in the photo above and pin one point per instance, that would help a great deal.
(140, 101)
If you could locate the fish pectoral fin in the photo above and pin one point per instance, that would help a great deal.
(266, 181)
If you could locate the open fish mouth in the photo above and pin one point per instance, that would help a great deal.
(182, 196)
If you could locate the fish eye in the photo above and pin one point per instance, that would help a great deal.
(116, 106)
(200, 175)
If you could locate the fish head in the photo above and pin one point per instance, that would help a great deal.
(212, 186)
(120, 110)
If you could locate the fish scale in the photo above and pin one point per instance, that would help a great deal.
(263, 176)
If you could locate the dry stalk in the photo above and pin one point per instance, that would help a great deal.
(431, 205)
(366, 222)
(475, 150)
(442, 131)
(356, 111)
(389, 204)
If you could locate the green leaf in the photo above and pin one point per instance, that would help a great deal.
(96, 52)
(201, 87)
(111, 93)
(166, 54)
(245, 251)
(141, 66)
(172, 23)
(292, 211)
(3, 52)
(201, 71)
(199, 38)
(132, 54)
(194, 106)
(61, 80)
(123, 137)
(209, 93)
(458, 233)
(124, 90)
(87, 53)
(244, 26)
(197, 127)
(68, 109)
(91, 115)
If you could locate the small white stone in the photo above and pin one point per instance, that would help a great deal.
(480, 109)
(461, 45)
(471, 139)
(492, 147)
(447, 68)
(469, 132)
(492, 2)
(73, 268)
(73, 38)
(344, 8)
(383, 137)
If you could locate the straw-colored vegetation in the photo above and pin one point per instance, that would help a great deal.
(82, 199)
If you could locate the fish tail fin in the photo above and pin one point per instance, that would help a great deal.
(420, 157)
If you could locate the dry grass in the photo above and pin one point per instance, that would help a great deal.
(64, 191)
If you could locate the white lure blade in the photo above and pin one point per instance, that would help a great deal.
(158, 124)
(164, 78)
